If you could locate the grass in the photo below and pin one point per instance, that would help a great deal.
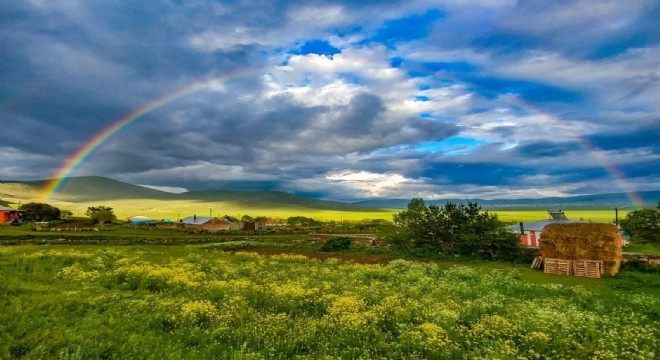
(606, 216)
(187, 302)
(643, 248)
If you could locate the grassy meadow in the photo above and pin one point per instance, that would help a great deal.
(200, 302)
(176, 209)
(127, 200)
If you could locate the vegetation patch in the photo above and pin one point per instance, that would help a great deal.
(337, 244)
(185, 303)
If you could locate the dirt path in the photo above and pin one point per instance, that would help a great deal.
(313, 254)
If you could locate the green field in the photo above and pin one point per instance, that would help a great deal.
(176, 209)
(198, 302)
(606, 216)
(127, 200)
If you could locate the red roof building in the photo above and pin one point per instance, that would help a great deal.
(8, 215)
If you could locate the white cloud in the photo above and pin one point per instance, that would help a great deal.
(169, 189)
(200, 171)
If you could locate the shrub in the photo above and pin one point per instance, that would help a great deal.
(39, 212)
(643, 225)
(337, 244)
(457, 229)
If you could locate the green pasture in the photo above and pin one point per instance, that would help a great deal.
(605, 215)
(201, 302)
(128, 200)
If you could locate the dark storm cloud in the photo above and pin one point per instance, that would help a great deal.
(646, 135)
(546, 149)
(380, 80)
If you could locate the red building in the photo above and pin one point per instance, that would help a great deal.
(530, 232)
(8, 215)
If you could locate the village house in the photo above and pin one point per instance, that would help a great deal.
(140, 219)
(9, 215)
(530, 232)
(211, 224)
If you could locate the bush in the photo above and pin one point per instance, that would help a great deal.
(101, 214)
(643, 225)
(39, 212)
(337, 244)
(456, 229)
(637, 265)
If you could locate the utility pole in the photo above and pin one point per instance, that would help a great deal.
(616, 217)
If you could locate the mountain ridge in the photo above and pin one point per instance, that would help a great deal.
(610, 200)
(97, 188)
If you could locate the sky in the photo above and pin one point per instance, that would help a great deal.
(337, 100)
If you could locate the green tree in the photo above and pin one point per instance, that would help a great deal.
(301, 221)
(457, 229)
(247, 218)
(643, 225)
(261, 220)
(101, 214)
(39, 212)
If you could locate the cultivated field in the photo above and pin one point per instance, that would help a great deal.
(196, 301)
(128, 200)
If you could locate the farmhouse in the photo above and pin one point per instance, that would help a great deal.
(207, 223)
(530, 232)
(9, 215)
(140, 219)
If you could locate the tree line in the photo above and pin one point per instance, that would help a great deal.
(459, 229)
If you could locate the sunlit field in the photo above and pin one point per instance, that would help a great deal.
(606, 216)
(175, 209)
(195, 302)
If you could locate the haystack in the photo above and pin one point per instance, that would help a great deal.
(577, 241)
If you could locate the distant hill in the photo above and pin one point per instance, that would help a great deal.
(86, 189)
(618, 200)
(96, 188)
(79, 192)
(268, 199)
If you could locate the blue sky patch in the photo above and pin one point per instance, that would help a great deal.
(408, 28)
(320, 47)
(453, 145)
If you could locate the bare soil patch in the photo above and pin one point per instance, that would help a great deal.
(313, 254)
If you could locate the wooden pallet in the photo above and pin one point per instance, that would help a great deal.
(588, 268)
(537, 263)
(558, 266)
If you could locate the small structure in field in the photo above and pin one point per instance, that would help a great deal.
(250, 226)
(9, 215)
(583, 241)
(140, 219)
(530, 232)
(211, 224)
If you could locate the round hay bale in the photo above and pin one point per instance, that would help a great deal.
(590, 241)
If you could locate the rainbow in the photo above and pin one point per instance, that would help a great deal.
(615, 173)
(74, 161)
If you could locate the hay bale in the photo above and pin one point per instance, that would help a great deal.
(575, 241)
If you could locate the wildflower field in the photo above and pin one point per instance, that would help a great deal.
(197, 301)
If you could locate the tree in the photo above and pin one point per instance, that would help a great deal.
(247, 218)
(643, 225)
(39, 212)
(261, 220)
(301, 221)
(457, 229)
(101, 214)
